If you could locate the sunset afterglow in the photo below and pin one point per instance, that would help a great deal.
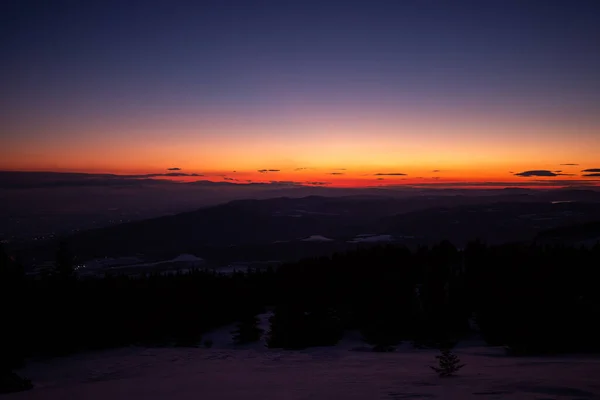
(337, 96)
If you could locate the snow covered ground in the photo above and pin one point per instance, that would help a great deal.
(342, 372)
(371, 238)
(317, 238)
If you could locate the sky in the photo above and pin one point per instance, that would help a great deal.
(347, 93)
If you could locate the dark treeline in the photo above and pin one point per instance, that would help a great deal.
(533, 299)
(59, 313)
(388, 293)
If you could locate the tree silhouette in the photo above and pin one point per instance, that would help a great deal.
(449, 363)
(12, 320)
(530, 298)
(247, 330)
(64, 267)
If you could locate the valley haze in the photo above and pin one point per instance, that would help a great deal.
(263, 224)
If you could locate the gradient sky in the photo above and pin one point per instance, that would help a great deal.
(329, 91)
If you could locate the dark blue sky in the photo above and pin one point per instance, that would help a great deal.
(232, 51)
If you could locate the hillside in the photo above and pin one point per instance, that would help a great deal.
(274, 229)
(578, 233)
(494, 222)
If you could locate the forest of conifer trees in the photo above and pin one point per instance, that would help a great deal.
(532, 299)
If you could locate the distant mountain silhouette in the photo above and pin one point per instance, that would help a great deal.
(578, 233)
(273, 229)
(493, 222)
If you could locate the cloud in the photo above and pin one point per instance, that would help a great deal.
(30, 180)
(594, 174)
(591, 170)
(339, 169)
(172, 174)
(558, 171)
(436, 170)
(174, 169)
(336, 173)
(380, 179)
(262, 171)
(208, 183)
(390, 174)
(253, 184)
(300, 169)
(541, 183)
(143, 176)
(229, 179)
(571, 164)
(242, 184)
(538, 172)
(42, 179)
(56, 180)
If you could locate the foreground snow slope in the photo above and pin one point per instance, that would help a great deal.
(326, 373)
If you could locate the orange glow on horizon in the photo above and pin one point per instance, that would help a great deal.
(456, 178)
(339, 151)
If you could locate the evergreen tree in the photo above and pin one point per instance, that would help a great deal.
(247, 330)
(11, 382)
(63, 292)
(531, 298)
(12, 322)
(64, 267)
(324, 327)
(11, 312)
(288, 328)
(449, 363)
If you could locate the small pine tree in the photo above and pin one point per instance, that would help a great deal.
(449, 363)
